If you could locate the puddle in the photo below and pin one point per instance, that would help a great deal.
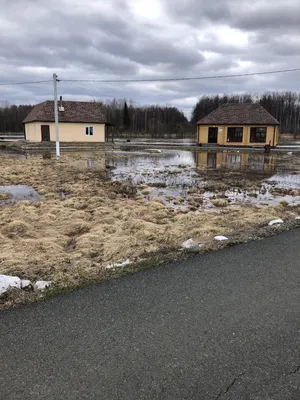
(19, 192)
(286, 180)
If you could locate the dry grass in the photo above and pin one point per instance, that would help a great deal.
(220, 202)
(4, 196)
(285, 191)
(146, 191)
(71, 240)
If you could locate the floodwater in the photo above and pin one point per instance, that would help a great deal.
(171, 174)
(180, 177)
(157, 141)
(19, 192)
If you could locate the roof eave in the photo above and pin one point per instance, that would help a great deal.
(68, 122)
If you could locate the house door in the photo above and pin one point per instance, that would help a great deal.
(212, 135)
(212, 160)
(45, 129)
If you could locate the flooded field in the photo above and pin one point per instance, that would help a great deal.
(194, 180)
(72, 220)
(201, 179)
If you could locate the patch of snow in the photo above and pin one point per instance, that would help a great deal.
(276, 222)
(188, 243)
(290, 153)
(117, 265)
(220, 238)
(42, 285)
(194, 249)
(154, 151)
(7, 282)
(297, 217)
(25, 284)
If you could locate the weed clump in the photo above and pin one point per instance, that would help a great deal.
(125, 189)
(220, 202)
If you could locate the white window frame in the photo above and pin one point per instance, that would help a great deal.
(90, 130)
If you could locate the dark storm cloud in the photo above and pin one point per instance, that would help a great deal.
(128, 38)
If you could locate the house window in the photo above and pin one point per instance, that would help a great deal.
(233, 161)
(256, 162)
(89, 131)
(258, 135)
(235, 134)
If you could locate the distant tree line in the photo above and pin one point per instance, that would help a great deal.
(154, 119)
(11, 117)
(284, 106)
(158, 120)
(127, 118)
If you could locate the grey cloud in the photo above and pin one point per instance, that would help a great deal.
(196, 11)
(269, 16)
(151, 51)
(86, 42)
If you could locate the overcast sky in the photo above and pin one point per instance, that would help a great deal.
(111, 39)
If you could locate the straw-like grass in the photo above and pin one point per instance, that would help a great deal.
(71, 238)
(220, 202)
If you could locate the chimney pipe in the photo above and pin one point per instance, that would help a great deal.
(60, 99)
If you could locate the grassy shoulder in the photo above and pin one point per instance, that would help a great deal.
(84, 223)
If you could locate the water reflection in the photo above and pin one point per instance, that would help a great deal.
(172, 168)
(90, 163)
(154, 161)
(236, 161)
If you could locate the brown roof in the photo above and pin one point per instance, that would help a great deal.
(239, 114)
(75, 111)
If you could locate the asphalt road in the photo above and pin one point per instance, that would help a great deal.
(224, 325)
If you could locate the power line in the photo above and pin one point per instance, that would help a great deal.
(154, 79)
(180, 79)
(23, 83)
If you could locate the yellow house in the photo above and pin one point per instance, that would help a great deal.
(242, 124)
(78, 122)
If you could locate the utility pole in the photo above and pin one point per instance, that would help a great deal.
(56, 115)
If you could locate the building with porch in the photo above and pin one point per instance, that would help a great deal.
(241, 124)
